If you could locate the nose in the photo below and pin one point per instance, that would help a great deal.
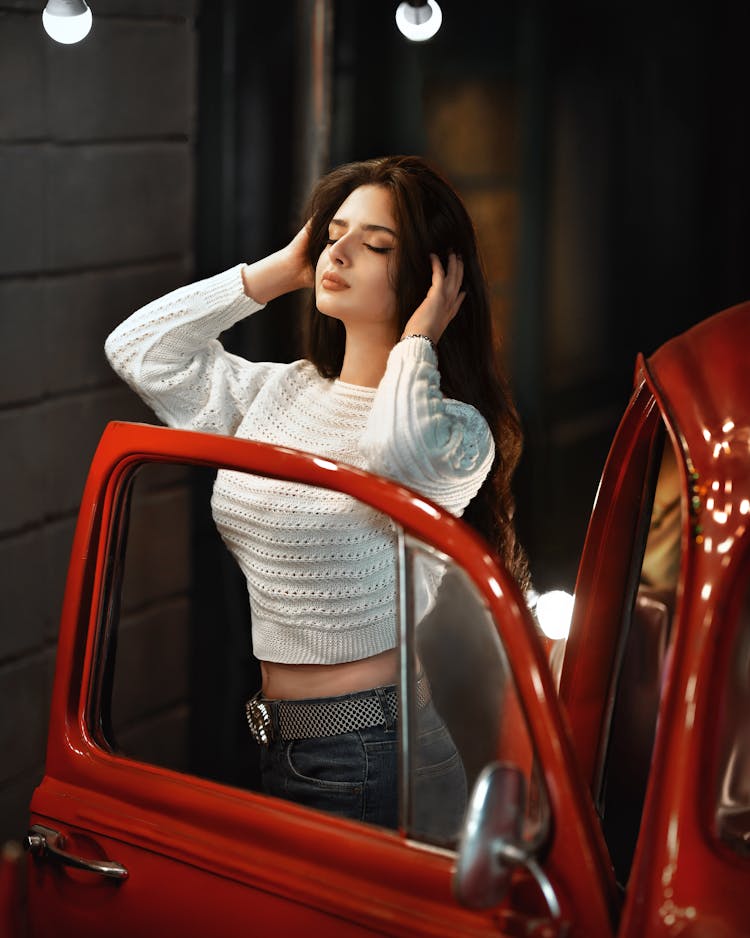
(339, 251)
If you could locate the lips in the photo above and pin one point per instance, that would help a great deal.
(332, 281)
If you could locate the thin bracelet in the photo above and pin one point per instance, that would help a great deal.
(418, 335)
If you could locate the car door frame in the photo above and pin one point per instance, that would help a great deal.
(381, 880)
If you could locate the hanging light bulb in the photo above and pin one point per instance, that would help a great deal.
(419, 20)
(66, 21)
(554, 610)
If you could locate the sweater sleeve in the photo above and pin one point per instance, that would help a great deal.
(440, 447)
(169, 353)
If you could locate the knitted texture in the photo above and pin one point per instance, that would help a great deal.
(319, 565)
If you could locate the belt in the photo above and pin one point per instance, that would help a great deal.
(306, 719)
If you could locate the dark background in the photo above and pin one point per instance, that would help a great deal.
(601, 149)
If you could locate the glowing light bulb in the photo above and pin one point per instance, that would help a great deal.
(67, 21)
(419, 23)
(554, 610)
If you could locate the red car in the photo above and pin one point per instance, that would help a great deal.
(616, 805)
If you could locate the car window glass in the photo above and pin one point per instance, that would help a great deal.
(457, 649)
(176, 665)
(641, 662)
(732, 810)
(661, 558)
(144, 679)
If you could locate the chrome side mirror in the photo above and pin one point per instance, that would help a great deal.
(491, 843)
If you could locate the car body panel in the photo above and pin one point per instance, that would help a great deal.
(684, 880)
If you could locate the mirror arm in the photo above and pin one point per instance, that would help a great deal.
(514, 856)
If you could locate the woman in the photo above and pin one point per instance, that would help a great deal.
(390, 254)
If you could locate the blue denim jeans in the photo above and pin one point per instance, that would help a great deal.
(355, 775)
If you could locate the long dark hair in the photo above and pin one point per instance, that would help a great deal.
(431, 218)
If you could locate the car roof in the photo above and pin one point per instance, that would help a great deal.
(701, 381)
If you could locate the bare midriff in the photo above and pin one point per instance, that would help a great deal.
(300, 681)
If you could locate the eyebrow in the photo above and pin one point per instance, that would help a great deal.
(345, 224)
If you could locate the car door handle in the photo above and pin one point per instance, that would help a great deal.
(43, 841)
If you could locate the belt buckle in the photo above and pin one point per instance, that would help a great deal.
(259, 720)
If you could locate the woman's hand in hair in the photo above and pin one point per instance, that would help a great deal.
(443, 300)
(282, 272)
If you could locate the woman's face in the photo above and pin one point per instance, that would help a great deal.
(354, 276)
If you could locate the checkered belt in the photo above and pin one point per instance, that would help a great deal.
(307, 719)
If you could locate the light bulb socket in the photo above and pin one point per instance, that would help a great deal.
(65, 8)
(417, 13)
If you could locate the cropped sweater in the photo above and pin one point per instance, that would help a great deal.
(320, 566)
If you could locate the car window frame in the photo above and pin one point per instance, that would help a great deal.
(110, 603)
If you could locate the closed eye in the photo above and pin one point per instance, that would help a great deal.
(370, 247)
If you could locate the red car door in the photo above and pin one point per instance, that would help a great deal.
(125, 846)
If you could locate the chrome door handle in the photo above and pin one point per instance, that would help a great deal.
(43, 841)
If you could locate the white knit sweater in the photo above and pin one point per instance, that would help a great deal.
(320, 566)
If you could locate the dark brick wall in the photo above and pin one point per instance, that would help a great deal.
(97, 164)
